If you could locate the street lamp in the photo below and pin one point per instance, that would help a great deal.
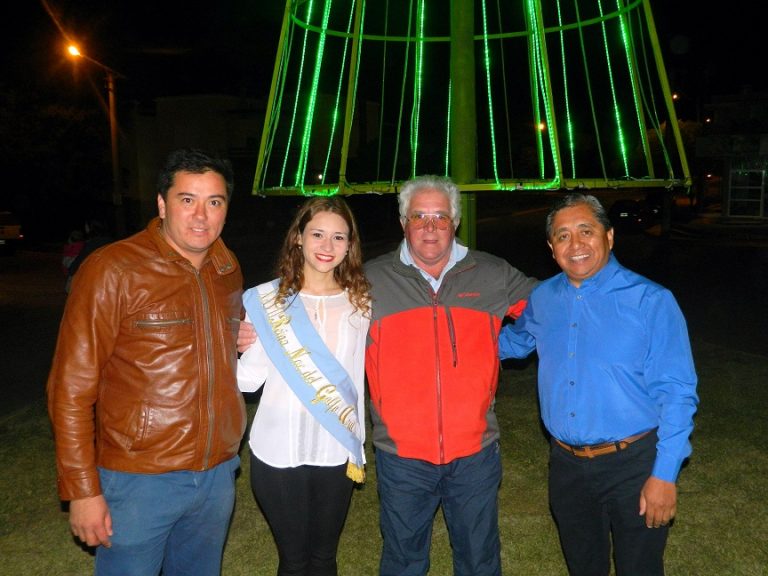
(117, 198)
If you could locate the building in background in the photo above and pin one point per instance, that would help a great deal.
(732, 154)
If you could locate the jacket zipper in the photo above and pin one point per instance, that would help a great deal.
(438, 379)
(455, 359)
(452, 335)
(154, 323)
(495, 340)
(209, 358)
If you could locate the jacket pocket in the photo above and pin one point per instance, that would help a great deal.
(126, 423)
(158, 323)
(141, 427)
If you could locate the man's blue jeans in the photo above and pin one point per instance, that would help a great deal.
(177, 521)
(411, 491)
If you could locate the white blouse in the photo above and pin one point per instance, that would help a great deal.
(284, 434)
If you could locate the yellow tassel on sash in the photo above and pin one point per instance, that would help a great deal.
(356, 473)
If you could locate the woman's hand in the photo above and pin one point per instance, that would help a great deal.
(246, 336)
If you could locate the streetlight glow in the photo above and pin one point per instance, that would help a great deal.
(117, 199)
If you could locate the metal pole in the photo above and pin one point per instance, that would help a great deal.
(117, 197)
(463, 152)
(351, 94)
(268, 120)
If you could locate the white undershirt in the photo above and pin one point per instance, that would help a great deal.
(284, 433)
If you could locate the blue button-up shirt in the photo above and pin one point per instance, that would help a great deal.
(614, 360)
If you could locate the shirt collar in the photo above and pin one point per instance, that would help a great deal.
(601, 277)
(218, 254)
(457, 253)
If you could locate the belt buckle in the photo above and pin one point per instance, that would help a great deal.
(584, 452)
(587, 451)
(600, 449)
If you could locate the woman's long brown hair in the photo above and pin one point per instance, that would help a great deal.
(349, 273)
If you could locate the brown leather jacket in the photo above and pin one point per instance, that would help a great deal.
(147, 345)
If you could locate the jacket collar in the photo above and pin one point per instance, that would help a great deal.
(461, 253)
(219, 256)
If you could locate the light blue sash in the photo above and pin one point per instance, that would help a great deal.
(310, 369)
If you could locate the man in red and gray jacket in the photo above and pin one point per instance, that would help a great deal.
(432, 367)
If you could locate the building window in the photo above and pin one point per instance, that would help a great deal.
(747, 193)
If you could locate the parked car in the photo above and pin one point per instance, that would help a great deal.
(10, 233)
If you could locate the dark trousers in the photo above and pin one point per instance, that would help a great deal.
(596, 501)
(306, 508)
(411, 491)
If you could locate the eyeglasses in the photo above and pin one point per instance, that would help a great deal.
(421, 220)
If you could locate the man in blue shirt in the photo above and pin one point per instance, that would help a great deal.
(617, 389)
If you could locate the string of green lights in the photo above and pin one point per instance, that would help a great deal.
(398, 74)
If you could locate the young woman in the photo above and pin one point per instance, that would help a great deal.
(308, 433)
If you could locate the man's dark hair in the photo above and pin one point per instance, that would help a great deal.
(577, 199)
(194, 161)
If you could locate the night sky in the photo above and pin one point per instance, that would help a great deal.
(175, 47)
(163, 47)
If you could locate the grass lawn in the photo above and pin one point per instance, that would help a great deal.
(720, 528)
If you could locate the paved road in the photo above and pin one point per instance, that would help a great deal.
(31, 301)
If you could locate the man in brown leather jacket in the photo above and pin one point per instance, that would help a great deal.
(142, 394)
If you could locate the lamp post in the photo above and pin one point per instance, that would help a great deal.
(117, 198)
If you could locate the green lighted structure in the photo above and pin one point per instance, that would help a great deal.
(499, 95)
